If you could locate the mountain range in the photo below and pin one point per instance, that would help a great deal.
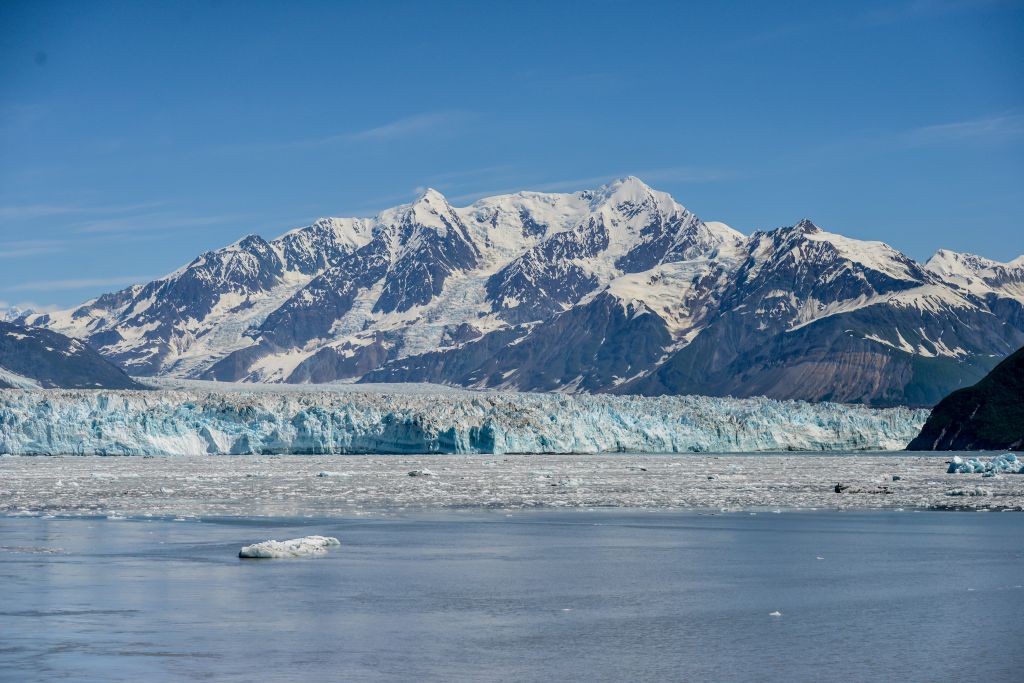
(619, 289)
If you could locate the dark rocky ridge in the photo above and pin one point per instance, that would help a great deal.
(54, 361)
(986, 416)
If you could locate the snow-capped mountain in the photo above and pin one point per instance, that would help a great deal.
(618, 289)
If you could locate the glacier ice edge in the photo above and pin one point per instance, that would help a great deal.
(171, 422)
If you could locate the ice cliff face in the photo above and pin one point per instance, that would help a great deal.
(193, 422)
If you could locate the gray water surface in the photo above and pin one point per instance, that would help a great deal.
(542, 595)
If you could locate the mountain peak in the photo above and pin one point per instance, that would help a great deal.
(625, 188)
(971, 261)
(431, 196)
(806, 227)
(630, 195)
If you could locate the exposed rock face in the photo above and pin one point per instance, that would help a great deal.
(619, 289)
(986, 416)
(34, 357)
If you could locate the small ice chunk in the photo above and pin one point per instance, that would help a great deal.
(776, 613)
(296, 547)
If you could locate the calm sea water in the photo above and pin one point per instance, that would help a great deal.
(563, 595)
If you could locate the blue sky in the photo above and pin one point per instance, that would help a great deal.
(134, 136)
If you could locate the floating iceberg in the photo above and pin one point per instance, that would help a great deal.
(170, 422)
(296, 547)
(1007, 462)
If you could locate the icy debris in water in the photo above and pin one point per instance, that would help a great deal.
(976, 491)
(421, 473)
(41, 550)
(296, 547)
(1007, 462)
(776, 613)
(568, 482)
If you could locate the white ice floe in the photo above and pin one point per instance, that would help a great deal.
(296, 547)
(1007, 462)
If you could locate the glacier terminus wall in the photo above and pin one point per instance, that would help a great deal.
(171, 422)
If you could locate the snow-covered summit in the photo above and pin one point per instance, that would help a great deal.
(979, 275)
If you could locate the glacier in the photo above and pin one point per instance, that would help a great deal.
(194, 422)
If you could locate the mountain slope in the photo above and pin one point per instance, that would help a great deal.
(617, 289)
(31, 357)
(810, 314)
(988, 415)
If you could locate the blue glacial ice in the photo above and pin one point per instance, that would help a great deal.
(1007, 463)
(169, 422)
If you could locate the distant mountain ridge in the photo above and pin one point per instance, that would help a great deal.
(34, 358)
(619, 289)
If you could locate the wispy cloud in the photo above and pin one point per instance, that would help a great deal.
(410, 125)
(896, 12)
(685, 174)
(153, 221)
(672, 174)
(417, 124)
(79, 283)
(31, 211)
(1002, 127)
(21, 248)
(858, 19)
